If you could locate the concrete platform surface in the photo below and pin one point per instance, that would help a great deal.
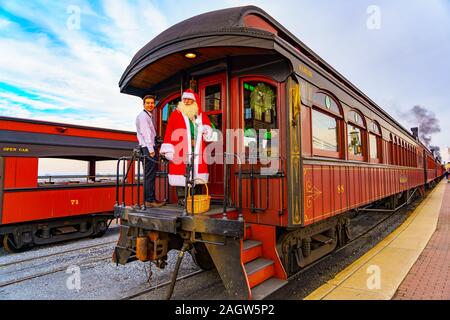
(378, 274)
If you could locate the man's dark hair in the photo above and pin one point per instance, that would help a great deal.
(148, 97)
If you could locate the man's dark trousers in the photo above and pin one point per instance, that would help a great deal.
(150, 169)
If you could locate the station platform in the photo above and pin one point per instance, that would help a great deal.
(413, 262)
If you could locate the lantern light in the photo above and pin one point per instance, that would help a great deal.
(191, 55)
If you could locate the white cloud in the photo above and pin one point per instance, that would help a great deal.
(83, 75)
(4, 23)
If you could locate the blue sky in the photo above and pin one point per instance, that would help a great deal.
(51, 72)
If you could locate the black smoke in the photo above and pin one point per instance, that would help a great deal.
(426, 121)
(437, 151)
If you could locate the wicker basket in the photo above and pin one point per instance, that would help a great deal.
(201, 202)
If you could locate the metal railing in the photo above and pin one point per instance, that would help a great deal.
(136, 159)
(52, 179)
(253, 179)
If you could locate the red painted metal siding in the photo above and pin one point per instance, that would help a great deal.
(331, 189)
(21, 172)
(39, 204)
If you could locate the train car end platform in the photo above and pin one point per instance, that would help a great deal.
(411, 263)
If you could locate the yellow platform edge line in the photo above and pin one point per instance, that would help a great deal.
(396, 254)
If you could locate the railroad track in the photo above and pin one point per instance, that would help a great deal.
(42, 274)
(161, 285)
(56, 254)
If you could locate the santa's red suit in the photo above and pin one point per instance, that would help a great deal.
(177, 146)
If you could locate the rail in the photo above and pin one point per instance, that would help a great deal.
(52, 179)
(225, 202)
(251, 176)
(242, 177)
(137, 158)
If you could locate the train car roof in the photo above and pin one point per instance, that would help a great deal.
(61, 124)
(32, 138)
(225, 20)
(232, 20)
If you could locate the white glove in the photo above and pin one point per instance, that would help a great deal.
(168, 155)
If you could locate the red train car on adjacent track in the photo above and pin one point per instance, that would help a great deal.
(41, 210)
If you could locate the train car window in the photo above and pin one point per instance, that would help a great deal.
(396, 159)
(355, 135)
(105, 171)
(373, 146)
(405, 151)
(355, 141)
(409, 156)
(62, 171)
(393, 151)
(356, 118)
(213, 105)
(400, 152)
(166, 111)
(375, 142)
(327, 103)
(404, 155)
(390, 153)
(416, 157)
(326, 126)
(375, 128)
(260, 113)
(213, 98)
(325, 132)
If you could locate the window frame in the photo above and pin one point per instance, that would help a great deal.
(160, 106)
(215, 79)
(211, 81)
(379, 139)
(339, 126)
(364, 132)
(269, 81)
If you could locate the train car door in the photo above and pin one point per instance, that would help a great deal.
(255, 113)
(212, 90)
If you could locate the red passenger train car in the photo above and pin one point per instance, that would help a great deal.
(41, 210)
(337, 151)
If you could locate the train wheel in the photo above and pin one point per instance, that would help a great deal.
(201, 256)
(9, 244)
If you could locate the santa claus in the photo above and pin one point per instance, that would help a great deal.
(186, 132)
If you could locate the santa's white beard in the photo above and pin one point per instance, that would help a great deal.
(189, 111)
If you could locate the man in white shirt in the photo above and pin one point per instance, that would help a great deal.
(146, 134)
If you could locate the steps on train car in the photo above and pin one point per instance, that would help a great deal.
(267, 287)
(260, 270)
(252, 250)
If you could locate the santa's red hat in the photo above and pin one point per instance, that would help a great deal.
(191, 94)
